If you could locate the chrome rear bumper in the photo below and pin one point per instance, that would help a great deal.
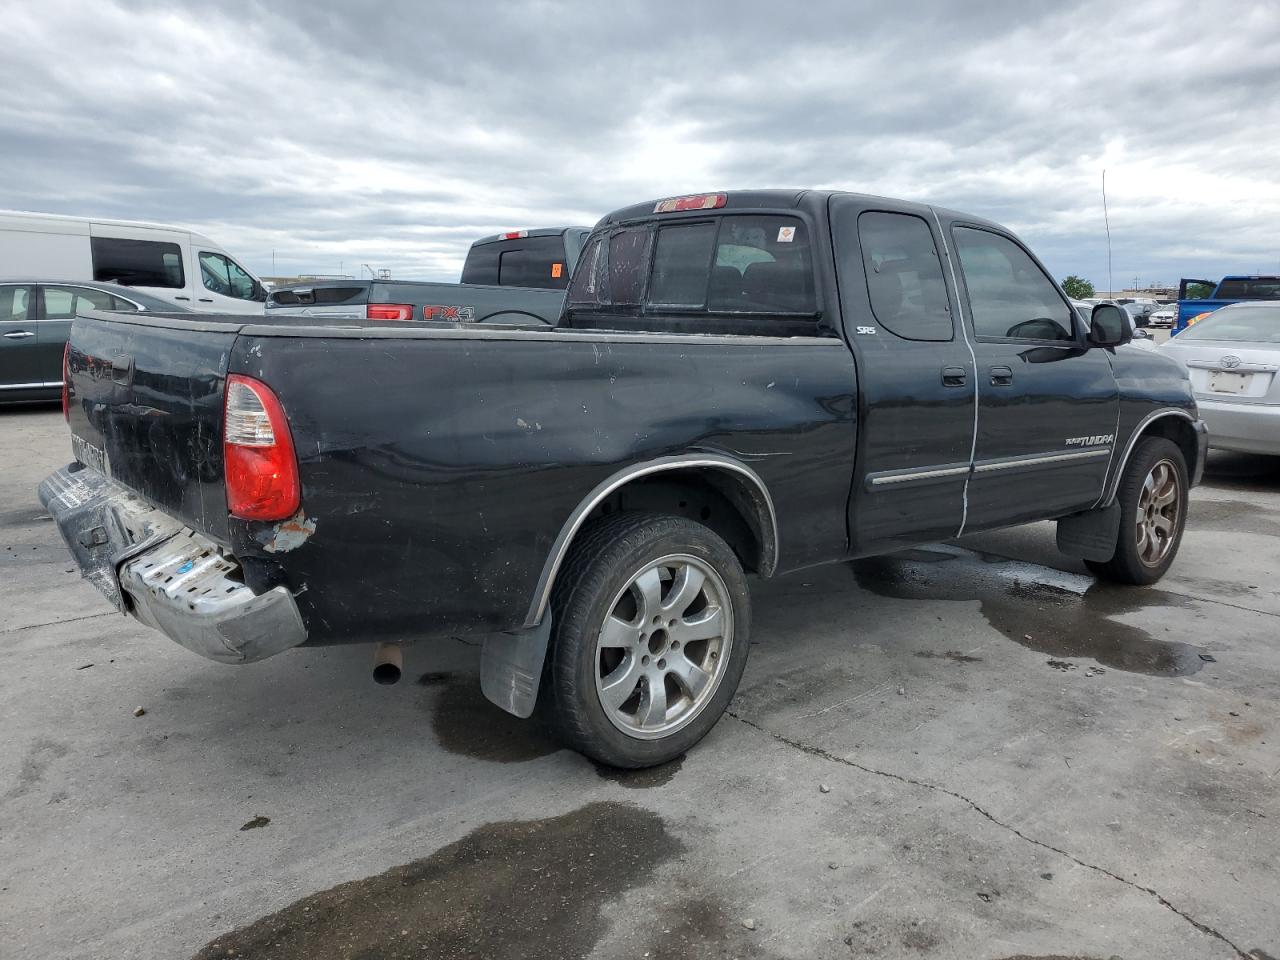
(165, 574)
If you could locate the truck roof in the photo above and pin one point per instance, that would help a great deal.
(813, 201)
(525, 234)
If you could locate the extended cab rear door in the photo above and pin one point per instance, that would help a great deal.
(915, 375)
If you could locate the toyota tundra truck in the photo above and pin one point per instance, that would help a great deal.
(740, 385)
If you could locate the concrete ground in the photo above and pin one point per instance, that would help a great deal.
(969, 751)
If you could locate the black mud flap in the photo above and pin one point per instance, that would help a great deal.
(1091, 535)
(511, 667)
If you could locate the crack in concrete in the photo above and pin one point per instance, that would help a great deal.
(833, 758)
(54, 623)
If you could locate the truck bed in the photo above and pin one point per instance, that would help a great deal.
(449, 456)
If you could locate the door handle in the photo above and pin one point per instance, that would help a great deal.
(954, 376)
(1001, 376)
(206, 300)
(182, 298)
(18, 334)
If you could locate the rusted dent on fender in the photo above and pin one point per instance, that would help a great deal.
(287, 534)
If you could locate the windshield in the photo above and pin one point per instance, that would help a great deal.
(1253, 324)
(1260, 288)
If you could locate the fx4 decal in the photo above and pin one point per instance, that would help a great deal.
(461, 314)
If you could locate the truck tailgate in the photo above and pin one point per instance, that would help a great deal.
(145, 408)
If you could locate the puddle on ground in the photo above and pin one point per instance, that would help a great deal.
(1023, 602)
(508, 891)
(641, 779)
(1233, 516)
(467, 724)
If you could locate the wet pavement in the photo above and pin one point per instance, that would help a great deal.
(969, 750)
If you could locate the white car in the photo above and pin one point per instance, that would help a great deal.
(1233, 357)
(1164, 316)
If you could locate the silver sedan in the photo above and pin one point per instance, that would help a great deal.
(1233, 357)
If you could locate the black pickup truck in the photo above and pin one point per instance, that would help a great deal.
(740, 384)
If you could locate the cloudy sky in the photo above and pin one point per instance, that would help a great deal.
(335, 135)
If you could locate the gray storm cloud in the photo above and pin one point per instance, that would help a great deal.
(395, 135)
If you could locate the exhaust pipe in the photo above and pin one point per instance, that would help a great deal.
(387, 661)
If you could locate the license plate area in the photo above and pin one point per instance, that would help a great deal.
(1225, 381)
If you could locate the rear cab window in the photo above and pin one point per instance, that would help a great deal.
(733, 273)
(537, 262)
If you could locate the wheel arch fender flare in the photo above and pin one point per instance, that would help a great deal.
(1183, 430)
(756, 502)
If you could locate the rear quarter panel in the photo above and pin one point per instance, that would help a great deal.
(438, 470)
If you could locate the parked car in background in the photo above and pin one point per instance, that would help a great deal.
(35, 321)
(514, 277)
(1197, 299)
(1233, 357)
(1164, 316)
(167, 262)
(1140, 308)
(757, 381)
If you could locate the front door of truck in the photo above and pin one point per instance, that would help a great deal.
(1047, 402)
(915, 377)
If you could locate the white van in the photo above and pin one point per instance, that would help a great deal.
(168, 262)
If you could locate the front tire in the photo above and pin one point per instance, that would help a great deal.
(1153, 514)
(652, 619)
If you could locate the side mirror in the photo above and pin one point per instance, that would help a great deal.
(1109, 326)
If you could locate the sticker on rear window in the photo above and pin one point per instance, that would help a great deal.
(786, 234)
(556, 270)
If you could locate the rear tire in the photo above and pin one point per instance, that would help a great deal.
(1153, 514)
(650, 638)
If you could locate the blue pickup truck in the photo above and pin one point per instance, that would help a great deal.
(1199, 298)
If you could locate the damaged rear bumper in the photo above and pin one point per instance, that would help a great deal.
(165, 574)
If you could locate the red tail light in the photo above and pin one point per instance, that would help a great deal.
(515, 235)
(388, 311)
(258, 459)
(699, 201)
(66, 382)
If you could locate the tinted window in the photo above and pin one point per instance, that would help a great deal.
(535, 262)
(482, 264)
(628, 264)
(223, 275)
(612, 269)
(762, 265)
(904, 276)
(588, 281)
(140, 263)
(680, 262)
(1009, 296)
(15, 304)
(1267, 288)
